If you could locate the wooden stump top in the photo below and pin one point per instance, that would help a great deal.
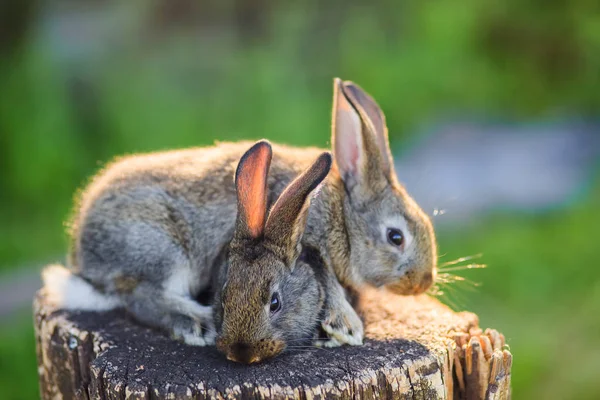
(415, 347)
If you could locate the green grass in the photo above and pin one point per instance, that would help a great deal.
(18, 363)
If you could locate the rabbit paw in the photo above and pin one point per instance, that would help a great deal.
(192, 333)
(343, 326)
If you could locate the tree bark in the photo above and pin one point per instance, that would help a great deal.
(415, 348)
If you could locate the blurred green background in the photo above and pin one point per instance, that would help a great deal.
(83, 81)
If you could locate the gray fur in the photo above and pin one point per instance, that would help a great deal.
(153, 227)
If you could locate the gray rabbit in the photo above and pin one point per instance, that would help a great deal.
(266, 297)
(150, 231)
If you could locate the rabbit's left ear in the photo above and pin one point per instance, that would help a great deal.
(287, 218)
(251, 187)
(374, 120)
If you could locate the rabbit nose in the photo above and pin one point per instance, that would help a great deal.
(428, 279)
(242, 353)
(424, 284)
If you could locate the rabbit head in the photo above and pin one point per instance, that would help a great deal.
(267, 298)
(391, 239)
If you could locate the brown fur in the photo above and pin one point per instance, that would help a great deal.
(260, 267)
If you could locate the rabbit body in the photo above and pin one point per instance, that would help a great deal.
(153, 230)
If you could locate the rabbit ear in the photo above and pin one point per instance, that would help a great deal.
(370, 112)
(355, 144)
(251, 187)
(287, 217)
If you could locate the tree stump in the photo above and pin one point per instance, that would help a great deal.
(415, 348)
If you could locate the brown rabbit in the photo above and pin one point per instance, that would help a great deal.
(265, 299)
(150, 230)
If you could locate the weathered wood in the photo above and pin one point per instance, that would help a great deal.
(416, 348)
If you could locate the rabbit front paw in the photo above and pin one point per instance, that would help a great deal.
(193, 334)
(343, 326)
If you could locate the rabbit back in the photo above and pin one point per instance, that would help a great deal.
(175, 208)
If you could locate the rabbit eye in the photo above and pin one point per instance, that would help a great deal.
(395, 237)
(275, 303)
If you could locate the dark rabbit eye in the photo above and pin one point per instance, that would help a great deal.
(395, 237)
(275, 303)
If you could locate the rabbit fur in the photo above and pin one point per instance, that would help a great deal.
(152, 230)
(266, 297)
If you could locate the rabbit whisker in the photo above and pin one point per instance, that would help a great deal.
(448, 278)
(459, 260)
(463, 267)
(435, 290)
(309, 348)
(450, 297)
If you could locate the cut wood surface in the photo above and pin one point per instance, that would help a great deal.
(415, 348)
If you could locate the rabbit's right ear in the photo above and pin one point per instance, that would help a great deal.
(287, 218)
(251, 187)
(363, 159)
(372, 116)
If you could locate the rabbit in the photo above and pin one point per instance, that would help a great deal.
(265, 296)
(364, 224)
(152, 229)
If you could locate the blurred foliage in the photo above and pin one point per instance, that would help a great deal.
(256, 68)
(18, 364)
(272, 79)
